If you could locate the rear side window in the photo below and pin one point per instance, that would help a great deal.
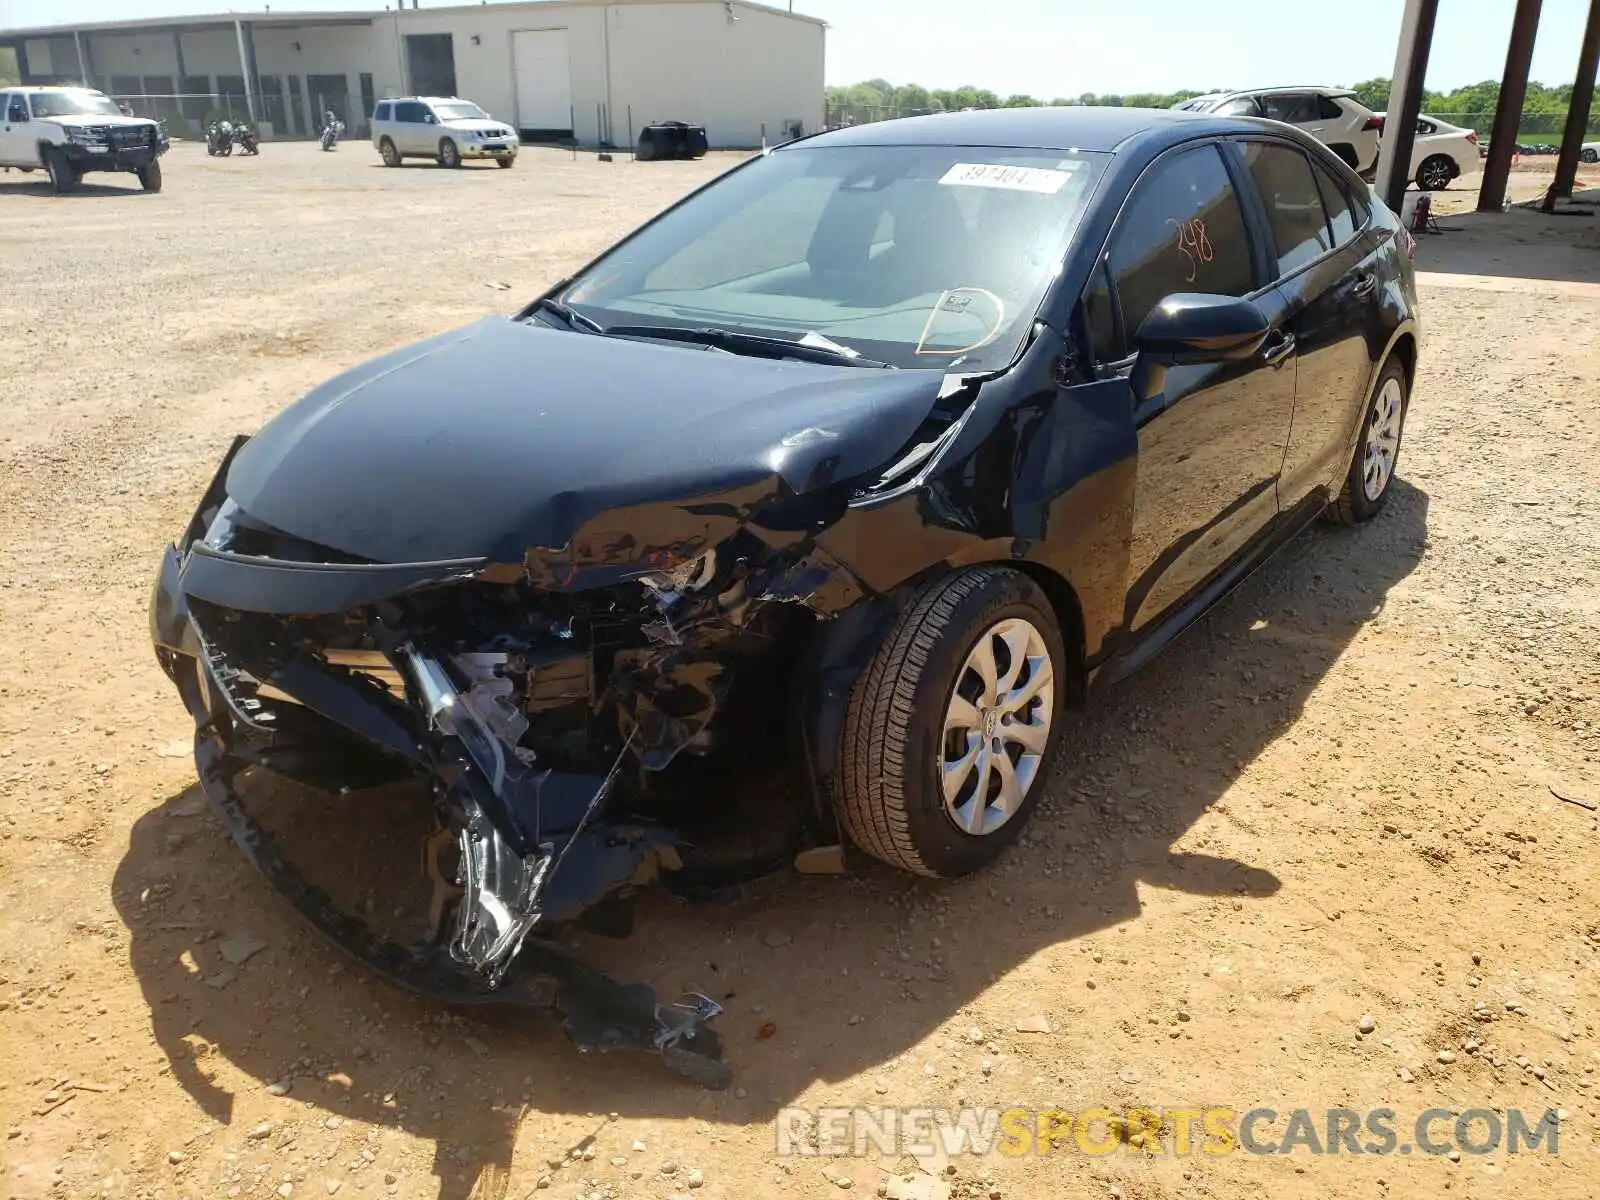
(1328, 110)
(410, 110)
(1282, 176)
(1183, 231)
(1242, 107)
(1341, 217)
(384, 111)
(1295, 109)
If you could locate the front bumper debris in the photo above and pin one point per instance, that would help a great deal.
(533, 848)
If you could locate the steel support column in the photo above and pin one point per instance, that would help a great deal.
(244, 69)
(1582, 98)
(85, 74)
(1508, 109)
(1405, 99)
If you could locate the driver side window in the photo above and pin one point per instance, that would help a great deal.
(1183, 231)
(16, 109)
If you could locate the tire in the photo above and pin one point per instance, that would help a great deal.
(1347, 153)
(505, 160)
(898, 741)
(63, 175)
(391, 156)
(1358, 500)
(1589, 156)
(226, 150)
(150, 176)
(1435, 172)
(449, 154)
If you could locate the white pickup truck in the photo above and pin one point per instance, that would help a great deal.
(70, 131)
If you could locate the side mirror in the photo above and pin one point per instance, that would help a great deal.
(1189, 328)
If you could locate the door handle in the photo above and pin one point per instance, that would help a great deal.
(1278, 348)
(1365, 286)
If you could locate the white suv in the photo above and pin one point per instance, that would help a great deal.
(1331, 115)
(445, 129)
(70, 131)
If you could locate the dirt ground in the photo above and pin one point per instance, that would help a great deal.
(1333, 799)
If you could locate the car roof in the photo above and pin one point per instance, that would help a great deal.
(1319, 88)
(1066, 127)
(50, 87)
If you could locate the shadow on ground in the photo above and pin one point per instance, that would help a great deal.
(38, 184)
(1524, 243)
(798, 956)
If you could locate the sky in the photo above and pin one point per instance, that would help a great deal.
(1049, 48)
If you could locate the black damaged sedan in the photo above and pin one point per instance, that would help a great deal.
(868, 459)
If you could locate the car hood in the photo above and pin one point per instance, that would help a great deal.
(507, 437)
(105, 121)
(479, 125)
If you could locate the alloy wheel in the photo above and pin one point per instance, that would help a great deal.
(996, 726)
(1434, 175)
(1383, 439)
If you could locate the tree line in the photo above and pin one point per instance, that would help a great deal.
(878, 97)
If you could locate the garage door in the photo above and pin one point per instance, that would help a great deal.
(544, 82)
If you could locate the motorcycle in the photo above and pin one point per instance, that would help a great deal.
(219, 138)
(332, 127)
(245, 138)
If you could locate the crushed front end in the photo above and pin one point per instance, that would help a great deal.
(555, 732)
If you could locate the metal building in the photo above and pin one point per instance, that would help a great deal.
(554, 68)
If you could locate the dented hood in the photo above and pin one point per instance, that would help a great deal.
(506, 437)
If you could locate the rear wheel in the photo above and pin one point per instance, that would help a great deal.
(449, 154)
(1366, 484)
(1589, 156)
(391, 156)
(1435, 173)
(150, 176)
(950, 731)
(63, 175)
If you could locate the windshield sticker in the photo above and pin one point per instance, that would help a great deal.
(1014, 179)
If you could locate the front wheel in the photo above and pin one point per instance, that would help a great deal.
(1589, 156)
(1366, 484)
(63, 175)
(950, 732)
(1435, 173)
(505, 160)
(449, 154)
(390, 155)
(150, 176)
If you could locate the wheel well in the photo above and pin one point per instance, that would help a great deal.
(1345, 151)
(1069, 618)
(1405, 349)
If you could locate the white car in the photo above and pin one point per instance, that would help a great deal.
(446, 129)
(1331, 115)
(1441, 152)
(1590, 152)
(70, 131)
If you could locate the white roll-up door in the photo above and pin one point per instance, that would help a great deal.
(544, 79)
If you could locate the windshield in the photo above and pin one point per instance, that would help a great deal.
(74, 104)
(460, 110)
(917, 256)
